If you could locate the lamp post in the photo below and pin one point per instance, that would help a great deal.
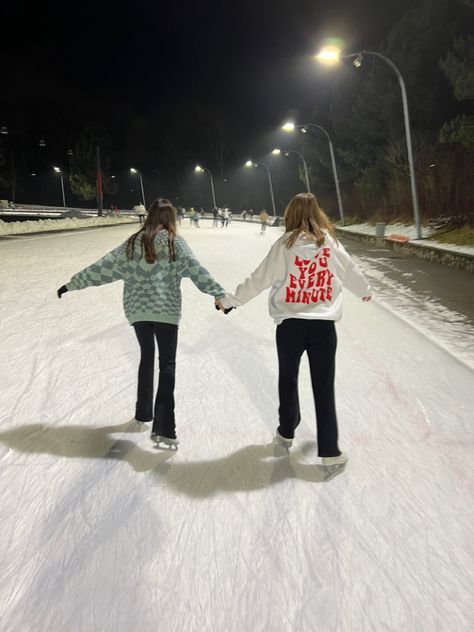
(290, 127)
(132, 170)
(58, 170)
(199, 169)
(277, 152)
(332, 55)
(249, 163)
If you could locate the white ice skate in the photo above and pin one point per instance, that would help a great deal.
(141, 423)
(283, 440)
(168, 441)
(335, 460)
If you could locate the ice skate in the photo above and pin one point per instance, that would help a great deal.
(335, 460)
(168, 441)
(287, 443)
(140, 423)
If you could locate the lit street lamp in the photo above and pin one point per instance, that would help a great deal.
(132, 170)
(58, 170)
(199, 169)
(332, 55)
(248, 164)
(290, 127)
(277, 152)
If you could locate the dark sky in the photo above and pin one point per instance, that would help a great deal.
(250, 57)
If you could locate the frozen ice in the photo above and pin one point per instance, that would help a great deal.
(102, 532)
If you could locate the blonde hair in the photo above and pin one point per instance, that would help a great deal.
(304, 215)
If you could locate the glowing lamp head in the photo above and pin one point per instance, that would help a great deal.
(288, 127)
(132, 170)
(249, 163)
(329, 55)
(276, 152)
(57, 169)
(198, 169)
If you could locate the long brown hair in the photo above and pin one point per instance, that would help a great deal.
(304, 215)
(161, 215)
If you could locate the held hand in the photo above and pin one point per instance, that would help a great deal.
(62, 290)
(366, 299)
(218, 305)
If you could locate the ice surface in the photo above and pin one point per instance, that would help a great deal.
(102, 532)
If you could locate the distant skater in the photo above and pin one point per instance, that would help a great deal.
(305, 270)
(151, 264)
(264, 217)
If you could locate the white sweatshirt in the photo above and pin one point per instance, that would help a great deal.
(306, 280)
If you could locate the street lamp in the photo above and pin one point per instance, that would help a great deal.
(132, 170)
(290, 127)
(199, 169)
(333, 55)
(287, 152)
(58, 170)
(249, 163)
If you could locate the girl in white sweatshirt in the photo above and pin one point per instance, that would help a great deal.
(306, 269)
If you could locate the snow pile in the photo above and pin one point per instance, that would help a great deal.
(42, 225)
(409, 230)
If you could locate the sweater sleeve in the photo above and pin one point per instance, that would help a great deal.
(260, 279)
(351, 275)
(107, 270)
(201, 278)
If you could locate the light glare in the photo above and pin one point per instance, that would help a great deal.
(288, 127)
(329, 55)
(249, 163)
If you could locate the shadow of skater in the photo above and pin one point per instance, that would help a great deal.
(84, 442)
(251, 468)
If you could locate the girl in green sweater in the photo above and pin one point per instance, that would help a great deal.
(151, 264)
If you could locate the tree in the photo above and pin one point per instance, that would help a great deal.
(458, 66)
(84, 163)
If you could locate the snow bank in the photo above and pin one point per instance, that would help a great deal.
(70, 223)
(410, 231)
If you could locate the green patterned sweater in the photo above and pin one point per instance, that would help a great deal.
(151, 290)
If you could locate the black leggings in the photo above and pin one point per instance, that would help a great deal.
(318, 338)
(163, 412)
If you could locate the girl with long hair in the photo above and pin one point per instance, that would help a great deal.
(152, 263)
(306, 269)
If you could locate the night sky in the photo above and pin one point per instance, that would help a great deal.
(250, 57)
(67, 64)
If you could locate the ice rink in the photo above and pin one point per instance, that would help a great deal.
(101, 532)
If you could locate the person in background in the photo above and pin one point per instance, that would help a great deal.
(225, 217)
(152, 263)
(305, 269)
(244, 215)
(191, 215)
(215, 217)
(140, 210)
(197, 217)
(264, 217)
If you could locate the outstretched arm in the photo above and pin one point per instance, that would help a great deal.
(260, 279)
(106, 270)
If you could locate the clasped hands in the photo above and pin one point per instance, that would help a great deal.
(218, 305)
